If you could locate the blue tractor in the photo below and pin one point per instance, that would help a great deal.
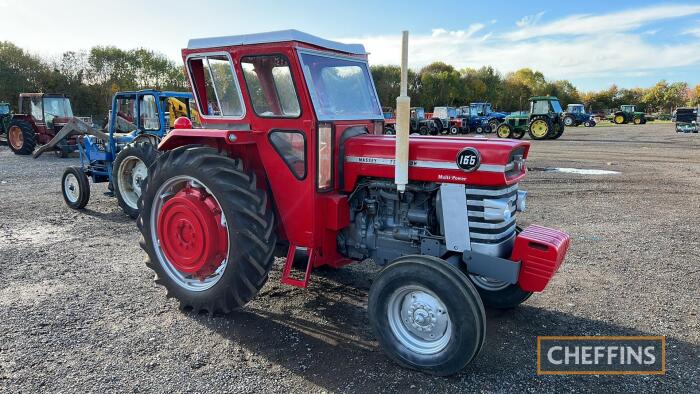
(121, 155)
(480, 117)
(576, 115)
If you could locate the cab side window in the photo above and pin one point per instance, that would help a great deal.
(216, 86)
(148, 110)
(270, 85)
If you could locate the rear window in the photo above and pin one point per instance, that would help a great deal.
(216, 86)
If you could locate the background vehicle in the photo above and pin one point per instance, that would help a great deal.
(5, 116)
(576, 115)
(687, 119)
(480, 118)
(312, 176)
(41, 116)
(627, 114)
(121, 156)
(420, 125)
(544, 121)
(446, 120)
(389, 120)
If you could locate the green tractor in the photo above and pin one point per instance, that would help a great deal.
(627, 114)
(544, 121)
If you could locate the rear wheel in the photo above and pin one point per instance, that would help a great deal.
(504, 130)
(129, 172)
(423, 130)
(493, 124)
(21, 137)
(454, 130)
(557, 130)
(207, 228)
(75, 187)
(539, 129)
(389, 131)
(427, 315)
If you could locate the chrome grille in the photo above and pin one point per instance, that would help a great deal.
(493, 237)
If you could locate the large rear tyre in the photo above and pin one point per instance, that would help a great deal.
(129, 172)
(426, 315)
(557, 131)
(539, 129)
(207, 228)
(75, 187)
(21, 137)
(493, 123)
(619, 119)
(497, 294)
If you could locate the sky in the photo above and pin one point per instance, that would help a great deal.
(591, 43)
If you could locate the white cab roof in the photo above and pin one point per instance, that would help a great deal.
(275, 36)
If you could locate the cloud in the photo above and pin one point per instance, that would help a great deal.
(587, 54)
(695, 32)
(587, 24)
(529, 20)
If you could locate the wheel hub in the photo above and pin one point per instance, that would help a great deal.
(419, 320)
(15, 137)
(192, 232)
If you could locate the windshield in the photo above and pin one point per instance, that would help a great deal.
(556, 106)
(487, 109)
(4, 109)
(452, 112)
(341, 89)
(57, 107)
(477, 109)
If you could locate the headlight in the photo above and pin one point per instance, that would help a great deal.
(497, 209)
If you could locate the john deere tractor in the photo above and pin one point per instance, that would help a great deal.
(544, 121)
(627, 114)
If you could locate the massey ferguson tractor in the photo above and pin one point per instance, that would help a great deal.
(292, 154)
(41, 116)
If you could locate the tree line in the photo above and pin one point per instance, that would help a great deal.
(440, 84)
(92, 77)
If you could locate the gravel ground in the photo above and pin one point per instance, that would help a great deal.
(79, 310)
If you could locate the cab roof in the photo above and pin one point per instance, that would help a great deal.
(275, 37)
(543, 98)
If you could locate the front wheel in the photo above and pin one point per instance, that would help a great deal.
(129, 172)
(454, 130)
(208, 229)
(423, 130)
(427, 315)
(497, 294)
(75, 187)
(493, 124)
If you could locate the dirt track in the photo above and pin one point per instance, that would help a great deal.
(79, 310)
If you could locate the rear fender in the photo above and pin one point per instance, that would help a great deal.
(219, 139)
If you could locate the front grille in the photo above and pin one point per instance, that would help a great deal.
(491, 236)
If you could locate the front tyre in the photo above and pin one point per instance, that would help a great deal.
(454, 130)
(129, 172)
(207, 228)
(75, 187)
(497, 294)
(426, 315)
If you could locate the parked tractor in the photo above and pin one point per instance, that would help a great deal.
(576, 115)
(121, 155)
(420, 125)
(41, 116)
(544, 121)
(480, 118)
(446, 120)
(627, 114)
(687, 119)
(301, 168)
(389, 120)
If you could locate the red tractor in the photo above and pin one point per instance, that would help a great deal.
(41, 116)
(291, 158)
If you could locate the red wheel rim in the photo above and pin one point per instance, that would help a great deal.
(191, 233)
(15, 137)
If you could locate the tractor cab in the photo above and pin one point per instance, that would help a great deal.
(480, 109)
(546, 105)
(575, 108)
(628, 108)
(51, 110)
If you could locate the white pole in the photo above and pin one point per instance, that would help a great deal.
(403, 110)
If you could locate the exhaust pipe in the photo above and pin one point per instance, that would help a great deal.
(403, 110)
